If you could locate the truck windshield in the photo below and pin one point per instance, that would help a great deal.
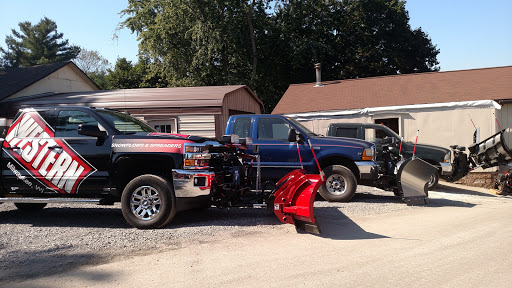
(301, 127)
(123, 123)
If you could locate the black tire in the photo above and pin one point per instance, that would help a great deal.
(148, 202)
(30, 206)
(434, 180)
(340, 184)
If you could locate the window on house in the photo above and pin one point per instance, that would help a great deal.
(163, 128)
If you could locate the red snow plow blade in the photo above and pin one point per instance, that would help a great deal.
(294, 199)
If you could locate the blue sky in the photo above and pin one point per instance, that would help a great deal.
(470, 34)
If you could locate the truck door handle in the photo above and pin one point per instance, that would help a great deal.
(12, 148)
(56, 148)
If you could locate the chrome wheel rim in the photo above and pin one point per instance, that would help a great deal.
(431, 180)
(145, 203)
(336, 184)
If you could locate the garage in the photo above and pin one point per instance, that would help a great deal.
(201, 111)
(445, 108)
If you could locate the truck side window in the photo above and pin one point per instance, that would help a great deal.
(346, 132)
(376, 135)
(68, 121)
(242, 127)
(273, 128)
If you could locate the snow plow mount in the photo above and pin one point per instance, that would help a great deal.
(294, 200)
(413, 176)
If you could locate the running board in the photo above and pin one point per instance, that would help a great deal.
(52, 200)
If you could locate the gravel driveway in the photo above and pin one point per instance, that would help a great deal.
(64, 236)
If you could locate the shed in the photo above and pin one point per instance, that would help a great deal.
(201, 111)
(442, 106)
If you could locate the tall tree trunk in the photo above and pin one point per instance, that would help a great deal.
(253, 41)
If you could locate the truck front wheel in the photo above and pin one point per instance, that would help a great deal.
(148, 202)
(340, 184)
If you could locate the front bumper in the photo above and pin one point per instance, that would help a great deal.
(446, 169)
(191, 183)
(368, 170)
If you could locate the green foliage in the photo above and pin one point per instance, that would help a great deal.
(125, 75)
(100, 78)
(36, 44)
(91, 61)
(94, 65)
(228, 42)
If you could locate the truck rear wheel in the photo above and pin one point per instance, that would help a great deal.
(340, 184)
(148, 202)
(30, 206)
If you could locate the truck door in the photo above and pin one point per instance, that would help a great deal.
(376, 135)
(278, 156)
(92, 153)
(270, 142)
(21, 148)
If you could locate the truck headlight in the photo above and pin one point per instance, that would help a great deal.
(447, 157)
(368, 154)
(196, 163)
(196, 156)
(196, 149)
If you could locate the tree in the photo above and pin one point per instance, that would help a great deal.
(36, 44)
(228, 42)
(382, 41)
(91, 61)
(198, 42)
(94, 65)
(125, 75)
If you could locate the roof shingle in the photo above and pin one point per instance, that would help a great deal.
(421, 88)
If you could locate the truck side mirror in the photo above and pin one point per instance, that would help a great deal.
(389, 140)
(91, 130)
(293, 136)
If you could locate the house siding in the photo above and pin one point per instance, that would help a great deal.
(62, 80)
(440, 128)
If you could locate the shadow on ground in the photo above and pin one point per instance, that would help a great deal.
(46, 263)
(461, 190)
(337, 226)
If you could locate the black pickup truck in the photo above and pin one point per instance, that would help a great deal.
(101, 156)
(437, 156)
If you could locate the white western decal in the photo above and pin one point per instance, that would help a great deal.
(30, 151)
(40, 156)
(71, 176)
(60, 169)
(50, 159)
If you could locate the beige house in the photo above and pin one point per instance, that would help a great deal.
(443, 107)
(57, 77)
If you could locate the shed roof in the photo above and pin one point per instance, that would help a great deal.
(420, 88)
(17, 79)
(206, 96)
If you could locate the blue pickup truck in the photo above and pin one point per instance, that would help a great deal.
(345, 162)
